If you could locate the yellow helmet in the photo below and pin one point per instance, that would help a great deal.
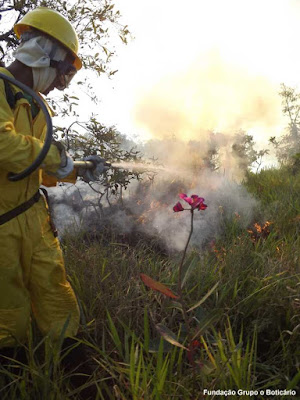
(53, 24)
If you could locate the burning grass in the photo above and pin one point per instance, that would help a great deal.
(247, 285)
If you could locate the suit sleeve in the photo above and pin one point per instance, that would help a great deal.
(17, 151)
(49, 180)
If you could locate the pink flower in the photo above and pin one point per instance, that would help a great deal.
(178, 207)
(194, 201)
(202, 206)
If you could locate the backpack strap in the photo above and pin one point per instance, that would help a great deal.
(11, 97)
(20, 208)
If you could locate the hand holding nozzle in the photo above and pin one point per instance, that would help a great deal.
(91, 168)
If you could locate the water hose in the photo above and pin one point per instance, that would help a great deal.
(47, 143)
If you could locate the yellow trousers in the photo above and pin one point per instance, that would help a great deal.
(33, 279)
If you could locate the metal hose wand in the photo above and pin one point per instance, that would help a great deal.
(87, 164)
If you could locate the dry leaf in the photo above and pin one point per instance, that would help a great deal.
(152, 284)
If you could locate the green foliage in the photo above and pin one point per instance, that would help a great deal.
(211, 159)
(295, 164)
(231, 362)
(244, 152)
(108, 143)
(289, 144)
(278, 191)
(94, 22)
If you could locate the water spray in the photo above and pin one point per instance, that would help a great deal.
(121, 165)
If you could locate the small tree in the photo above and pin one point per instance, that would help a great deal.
(243, 150)
(212, 157)
(289, 144)
(106, 142)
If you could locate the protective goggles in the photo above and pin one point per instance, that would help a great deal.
(65, 70)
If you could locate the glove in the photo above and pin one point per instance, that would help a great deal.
(66, 162)
(93, 174)
(62, 172)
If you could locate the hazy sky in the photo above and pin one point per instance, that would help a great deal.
(200, 65)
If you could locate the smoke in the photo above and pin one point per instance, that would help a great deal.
(210, 95)
(225, 199)
(147, 209)
(195, 118)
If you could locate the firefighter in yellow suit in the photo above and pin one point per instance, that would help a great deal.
(32, 273)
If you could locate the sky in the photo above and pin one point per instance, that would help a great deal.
(202, 65)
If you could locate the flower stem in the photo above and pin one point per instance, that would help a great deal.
(183, 256)
(181, 300)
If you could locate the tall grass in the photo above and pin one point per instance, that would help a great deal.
(247, 327)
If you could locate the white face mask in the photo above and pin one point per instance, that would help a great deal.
(36, 53)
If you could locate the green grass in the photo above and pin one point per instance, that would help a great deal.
(247, 323)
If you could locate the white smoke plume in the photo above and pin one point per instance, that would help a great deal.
(210, 94)
(147, 209)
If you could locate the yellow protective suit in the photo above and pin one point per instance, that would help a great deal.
(32, 273)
